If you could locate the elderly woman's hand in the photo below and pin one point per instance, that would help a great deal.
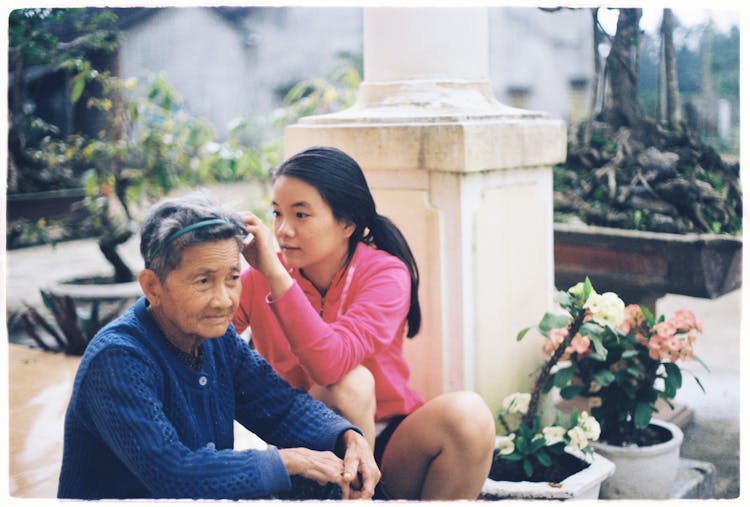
(320, 466)
(361, 473)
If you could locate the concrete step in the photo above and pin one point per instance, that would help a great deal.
(695, 479)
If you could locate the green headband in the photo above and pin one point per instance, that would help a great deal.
(198, 225)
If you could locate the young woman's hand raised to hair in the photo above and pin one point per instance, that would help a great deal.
(260, 253)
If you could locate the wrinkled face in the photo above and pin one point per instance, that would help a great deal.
(199, 297)
(308, 234)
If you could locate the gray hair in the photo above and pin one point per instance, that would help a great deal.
(169, 228)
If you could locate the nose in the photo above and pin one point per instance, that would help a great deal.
(224, 296)
(283, 228)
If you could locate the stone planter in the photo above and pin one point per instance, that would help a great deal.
(51, 204)
(642, 472)
(582, 485)
(643, 266)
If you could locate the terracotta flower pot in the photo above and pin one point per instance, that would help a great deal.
(642, 472)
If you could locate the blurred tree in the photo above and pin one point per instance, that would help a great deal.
(50, 44)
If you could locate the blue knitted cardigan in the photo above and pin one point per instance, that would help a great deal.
(141, 424)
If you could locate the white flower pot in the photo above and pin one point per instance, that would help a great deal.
(642, 472)
(582, 485)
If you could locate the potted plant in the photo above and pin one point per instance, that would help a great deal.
(621, 370)
(539, 456)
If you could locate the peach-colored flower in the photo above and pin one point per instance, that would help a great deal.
(579, 344)
(684, 320)
(633, 318)
(556, 337)
(664, 329)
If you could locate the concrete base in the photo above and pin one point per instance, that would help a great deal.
(695, 479)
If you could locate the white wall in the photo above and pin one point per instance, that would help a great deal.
(542, 51)
(200, 55)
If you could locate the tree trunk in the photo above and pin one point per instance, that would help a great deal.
(621, 105)
(671, 88)
(596, 88)
(708, 109)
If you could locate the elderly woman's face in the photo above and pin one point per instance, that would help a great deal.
(199, 297)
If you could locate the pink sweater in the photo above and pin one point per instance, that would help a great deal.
(310, 340)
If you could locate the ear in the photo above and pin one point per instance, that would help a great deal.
(151, 286)
(348, 228)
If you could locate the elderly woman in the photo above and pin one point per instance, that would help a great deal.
(156, 393)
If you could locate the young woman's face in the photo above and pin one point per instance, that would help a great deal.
(308, 234)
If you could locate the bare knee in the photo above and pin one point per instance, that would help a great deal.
(355, 392)
(470, 423)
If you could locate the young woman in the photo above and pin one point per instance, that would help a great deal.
(330, 311)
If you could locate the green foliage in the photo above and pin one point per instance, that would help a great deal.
(336, 91)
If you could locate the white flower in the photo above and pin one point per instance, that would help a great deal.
(517, 403)
(590, 426)
(578, 440)
(505, 444)
(606, 308)
(553, 434)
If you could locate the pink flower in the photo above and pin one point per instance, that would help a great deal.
(664, 329)
(580, 344)
(633, 318)
(684, 320)
(556, 337)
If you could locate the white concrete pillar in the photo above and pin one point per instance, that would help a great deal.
(467, 179)
(400, 44)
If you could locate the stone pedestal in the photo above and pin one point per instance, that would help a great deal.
(469, 182)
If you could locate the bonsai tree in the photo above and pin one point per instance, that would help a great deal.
(629, 171)
(132, 145)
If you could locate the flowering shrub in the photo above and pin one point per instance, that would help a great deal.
(622, 359)
(536, 447)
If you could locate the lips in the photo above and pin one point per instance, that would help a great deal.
(218, 317)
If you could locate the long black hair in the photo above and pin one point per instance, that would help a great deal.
(342, 185)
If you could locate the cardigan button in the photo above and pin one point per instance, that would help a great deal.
(211, 445)
(203, 380)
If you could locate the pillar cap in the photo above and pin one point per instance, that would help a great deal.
(424, 101)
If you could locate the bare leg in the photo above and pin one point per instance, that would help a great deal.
(353, 397)
(443, 450)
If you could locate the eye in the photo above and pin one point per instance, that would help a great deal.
(275, 213)
(202, 281)
(300, 214)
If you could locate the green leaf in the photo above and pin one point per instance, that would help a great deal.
(514, 456)
(79, 83)
(629, 353)
(528, 468)
(587, 289)
(599, 349)
(697, 381)
(570, 392)
(674, 374)
(700, 361)
(553, 321)
(522, 333)
(562, 377)
(648, 315)
(543, 458)
(604, 377)
(642, 415)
